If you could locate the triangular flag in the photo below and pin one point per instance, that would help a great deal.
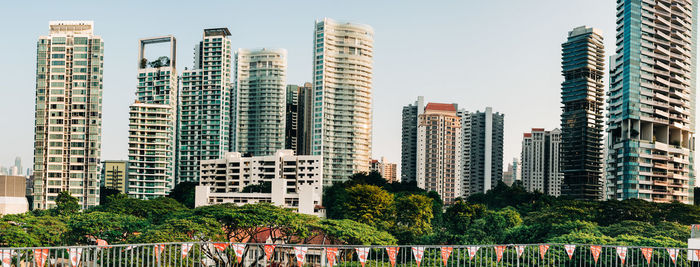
(472, 251)
(6, 258)
(221, 246)
(570, 250)
(392, 251)
(268, 251)
(622, 253)
(595, 250)
(445, 254)
(543, 250)
(74, 254)
(185, 249)
(40, 256)
(102, 243)
(300, 253)
(418, 254)
(697, 254)
(239, 249)
(362, 255)
(331, 255)
(647, 254)
(157, 249)
(499, 252)
(673, 252)
(520, 250)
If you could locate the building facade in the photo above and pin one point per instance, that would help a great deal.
(291, 118)
(205, 105)
(409, 139)
(386, 169)
(153, 124)
(582, 95)
(439, 151)
(12, 195)
(282, 179)
(482, 150)
(342, 82)
(305, 102)
(115, 175)
(541, 163)
(651, 111)
(68, 117)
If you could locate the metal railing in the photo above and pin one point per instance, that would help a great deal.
(278, 255)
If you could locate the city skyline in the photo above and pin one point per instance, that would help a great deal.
(473, 93)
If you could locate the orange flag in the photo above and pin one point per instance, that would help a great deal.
(392, 251)
(331, 254)
(157, 249)
(647, 254)
(595, 250)
(40, 256)
(362, 254)
(499, 252)
(520, 250)
(268, 251)
(300, 253)
(239, 249)
(543, 250)
(221, 246)
(418, 253)
(622, 253)
(570, 250)
(445, 253)
(673, 252)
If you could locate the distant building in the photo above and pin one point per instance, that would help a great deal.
(12, 195)
(305, 115)
(115, 175)
(291, 115)
(540, 161)
(482, 150)
(282, 179)
(409, 139)
(386, 169)
(18, 164)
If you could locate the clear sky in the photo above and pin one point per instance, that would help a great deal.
(500, 53)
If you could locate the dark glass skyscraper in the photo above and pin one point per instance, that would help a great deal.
(582, 95)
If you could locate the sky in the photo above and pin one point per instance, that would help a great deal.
(505, 54)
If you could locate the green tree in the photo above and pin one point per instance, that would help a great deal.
(114, 228)
(184, 193)
(414, 217)
(66, 204)
(12, 235)
(369, 204)
(183, 230)
(351, 233)
(155, 210)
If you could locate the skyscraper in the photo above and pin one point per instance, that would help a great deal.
(291, 117)
(409, 139)
(152, 124)
(342, 121)
(205, 105)
(68, 123)
(582, 117)
(305, 102)
(651, 107)
(540, 159)
(260, 93)
(439, 151)
(482, 150)
(18, 164)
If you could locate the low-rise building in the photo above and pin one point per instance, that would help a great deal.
(12, 195)
(283, 179)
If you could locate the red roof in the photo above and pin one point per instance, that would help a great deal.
(538, 129)
(440, 106)
(527, 135)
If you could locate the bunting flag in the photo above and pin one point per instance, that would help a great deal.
(40, 256)
(622, 253)
(362, 255)
(697, 254)
(499, 252)
(445, 253)
(331, 255)
(300, 253)
(520, 250)
(543, 250)
(157, 249)
(6, 257)
(239, 249)
(570, 250)
(268, 251)
(673, 252)
(185, 249)
(472, 251)
(74, 254)
(418, 254)
(647, 254)
(392, 251)
(221, 246)
(101, 243)
(595, 250)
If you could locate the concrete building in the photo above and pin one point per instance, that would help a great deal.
(304, 119)
(482, 150)
(260, 93)
(409, 139)
(205, 105)
(439, 151)
(651, 111)
(342, 82)
(68, 117)
(582, 94)
(286, 180)
(153, 124)
(541, 165)
(115, 175)
(291, 118)
(386, 169)
(12, 195)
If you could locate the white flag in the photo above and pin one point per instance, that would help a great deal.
(362, 254)
(570, 250)
(673, 252)
(472, 251)
(74, 254)
(418, 254)
(301, 254)
(622, 253)
(185, 248)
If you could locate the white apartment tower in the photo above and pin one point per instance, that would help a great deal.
(540, 161)
(260, 93)
(68, 117)
(342, 91)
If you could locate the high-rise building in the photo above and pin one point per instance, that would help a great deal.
(342, 120)
(152, 124)
(541, 165)
(582, 97)
(115, 175)
(651, 111)
(68, 123)
(18, 164)
(386, 169)
(439, 151)
(509, 175)
(260, 93)
(482, 150)
(409, 139)
(205, 105)
(291, 130)
(12, 195)
(304, 120)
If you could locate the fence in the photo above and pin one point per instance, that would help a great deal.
(278, 255)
